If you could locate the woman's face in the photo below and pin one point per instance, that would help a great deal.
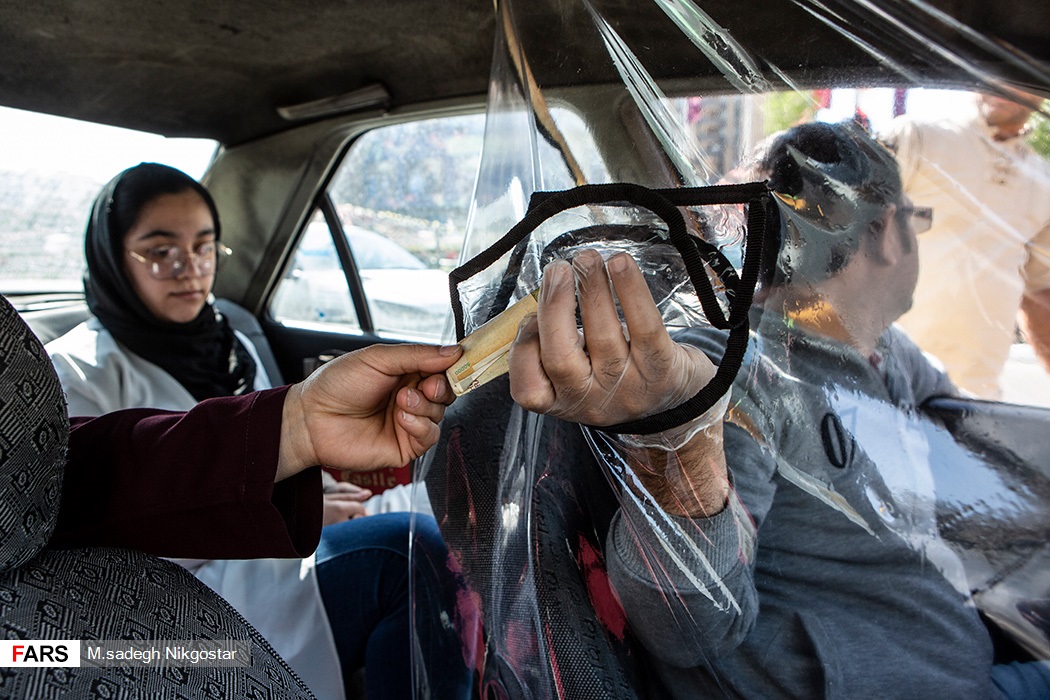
(172, 225)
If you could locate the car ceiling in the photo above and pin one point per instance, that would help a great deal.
(221, 69)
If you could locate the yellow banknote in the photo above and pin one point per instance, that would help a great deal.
(485, 350)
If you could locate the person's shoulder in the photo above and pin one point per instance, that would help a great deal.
(89, 350)
(86, 340)
(757, 384)
(262, 376)
(897, 341)
(954, 126)
(89, 353)
(74, 335)
(87, 369)
(925, 370)
(711, 340)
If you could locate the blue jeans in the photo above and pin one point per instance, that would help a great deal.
(1023, 681)
(363, 574)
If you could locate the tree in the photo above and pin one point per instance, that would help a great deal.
(1039, 133)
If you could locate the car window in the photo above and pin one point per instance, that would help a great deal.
(400, 199)
(374, 252)
(314, 289)
(730, 129)
(51, 168)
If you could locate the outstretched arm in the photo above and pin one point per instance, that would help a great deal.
(684, 583)
(373, 408)
(231, 478)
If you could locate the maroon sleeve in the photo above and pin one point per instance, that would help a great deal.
(197, 484)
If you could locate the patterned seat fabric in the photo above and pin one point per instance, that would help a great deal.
(96, 594)
(552, 625)
(33, 435)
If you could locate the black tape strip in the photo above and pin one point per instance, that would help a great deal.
(761, 214)
(695, 252)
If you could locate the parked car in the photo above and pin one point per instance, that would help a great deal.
(406, 299)
(361, 151)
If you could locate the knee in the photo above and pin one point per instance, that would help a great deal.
(390, 531)
(387, 531)
(427, 531)
(427, 539)
(398, 531)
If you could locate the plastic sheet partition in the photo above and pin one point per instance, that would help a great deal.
(847, 521)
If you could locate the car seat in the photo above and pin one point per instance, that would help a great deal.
(96, 593)
(240, 319)
(552, 624)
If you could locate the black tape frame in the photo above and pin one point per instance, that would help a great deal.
(695, 252)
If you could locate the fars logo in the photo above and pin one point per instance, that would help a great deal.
(39, 652)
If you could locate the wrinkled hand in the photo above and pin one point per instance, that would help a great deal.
(602, 376)
(605, 376)
(373, 408)
(344, 501)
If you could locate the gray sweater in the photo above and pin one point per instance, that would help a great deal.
(845, 596)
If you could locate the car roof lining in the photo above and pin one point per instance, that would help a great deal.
(220, 70)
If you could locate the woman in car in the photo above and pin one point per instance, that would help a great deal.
(156, 340)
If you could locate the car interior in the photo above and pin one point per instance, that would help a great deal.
(366, 150)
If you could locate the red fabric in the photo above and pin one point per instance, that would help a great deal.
(900, 99)
(822, 98)
(197, 484)
(376, 481)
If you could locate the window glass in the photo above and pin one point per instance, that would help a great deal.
(402, 195)
(51, 169)
(314, 288)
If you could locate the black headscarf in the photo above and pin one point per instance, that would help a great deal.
(203, 355)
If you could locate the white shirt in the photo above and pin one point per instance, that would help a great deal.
(989, 244)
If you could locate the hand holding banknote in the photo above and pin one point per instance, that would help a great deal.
(613, 372)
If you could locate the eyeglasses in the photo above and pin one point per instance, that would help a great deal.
(168, 261)
(920, 218)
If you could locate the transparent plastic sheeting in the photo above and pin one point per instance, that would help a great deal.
(877, 531)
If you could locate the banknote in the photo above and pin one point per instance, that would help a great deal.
(485, 350)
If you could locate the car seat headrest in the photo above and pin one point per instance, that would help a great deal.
(34, 432)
